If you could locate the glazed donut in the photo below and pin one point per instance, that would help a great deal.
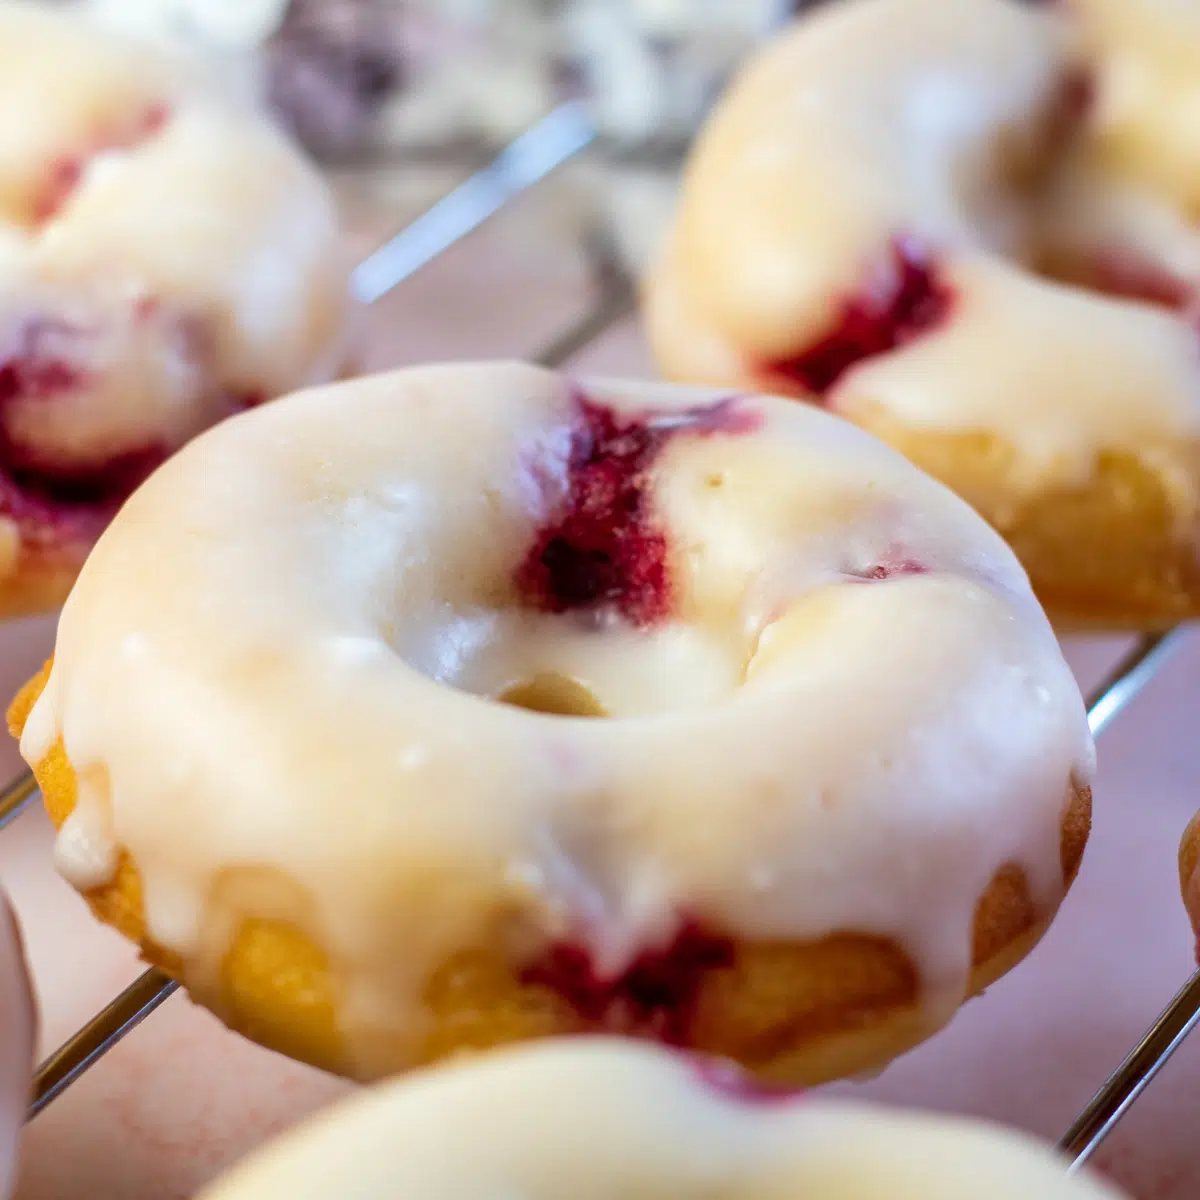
(166, 259)
(602, 1117)
(1149, 54)
(17, 1017)
(970, 228)
(313, 733)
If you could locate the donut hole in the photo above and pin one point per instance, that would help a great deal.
(564, 666)
(554, 695)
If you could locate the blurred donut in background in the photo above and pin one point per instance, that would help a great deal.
(17, 1022)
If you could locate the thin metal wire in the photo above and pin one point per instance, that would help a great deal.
(16, 797)
(1130, 675)
(543, 148)
(1179, 1018)
(1131, 1078)
(614, 303)
(99, 1036)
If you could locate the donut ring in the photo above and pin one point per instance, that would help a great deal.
(166, 259)
(843, 782)
(941, 221)
(640, 1122)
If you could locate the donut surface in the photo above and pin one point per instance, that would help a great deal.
(166, 259)
(1189, 875)
(971, 229)
(599, 1118)
(466, 704)
(17, 1020)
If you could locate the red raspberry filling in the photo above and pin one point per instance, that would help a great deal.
(605, 548)
(67, 171)
(655, 997)
(1116, 272)
(103, 486)
(1078, 96)
(34, 373)
(908, 300)
(66, 500)
(727, 1079)
(38, 491)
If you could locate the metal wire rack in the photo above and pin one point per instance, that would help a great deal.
(563, 135)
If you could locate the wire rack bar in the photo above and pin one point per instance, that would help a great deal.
(543, 148)
(16, 797)
(555, 140)
(1131, 1078)
(1129, 676)
(98, 1036)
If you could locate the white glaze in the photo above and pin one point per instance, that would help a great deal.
(268, 659)
(874, 119)
(200, 266)
(594, 1119)
(1149, 55)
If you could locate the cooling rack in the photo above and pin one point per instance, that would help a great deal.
(564, 134)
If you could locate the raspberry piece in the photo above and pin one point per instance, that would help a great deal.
(605, 547)
(909, 300)
(654, 997)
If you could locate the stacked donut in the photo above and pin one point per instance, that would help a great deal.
(166, 260)
(970, 228)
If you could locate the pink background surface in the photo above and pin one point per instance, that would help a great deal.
(182, 1097)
